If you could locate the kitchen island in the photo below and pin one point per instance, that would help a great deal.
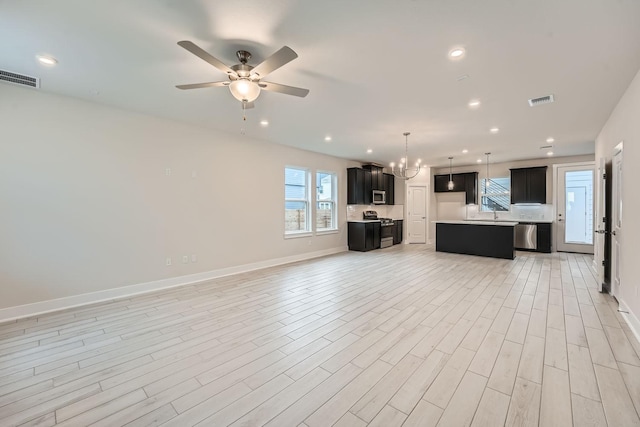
(493, 239)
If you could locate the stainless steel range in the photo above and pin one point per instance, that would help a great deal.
(387, 228)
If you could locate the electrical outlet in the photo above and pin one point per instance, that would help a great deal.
(168, 261)
(167, 171)
(194, 258)
(185, 259)
(194, 174)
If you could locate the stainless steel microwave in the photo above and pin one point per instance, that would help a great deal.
(379, 197)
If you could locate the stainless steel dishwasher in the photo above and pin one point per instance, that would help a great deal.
(526, 236)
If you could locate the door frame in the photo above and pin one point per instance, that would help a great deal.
(426, 210)
(599, 243)
(556, 191)
(616, 220)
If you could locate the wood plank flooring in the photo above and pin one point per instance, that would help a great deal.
(402, 336)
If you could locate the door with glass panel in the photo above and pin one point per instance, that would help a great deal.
(575, 208)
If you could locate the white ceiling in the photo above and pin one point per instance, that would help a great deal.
(375, 68)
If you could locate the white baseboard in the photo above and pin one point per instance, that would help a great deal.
(42, 307)
(631, 319)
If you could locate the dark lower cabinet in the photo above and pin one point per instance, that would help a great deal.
(364, 236)
(544, 238)
(397, 237)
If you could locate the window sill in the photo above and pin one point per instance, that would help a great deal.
(297, 234)
(327, 231)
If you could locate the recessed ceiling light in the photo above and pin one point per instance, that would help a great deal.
(479, 161)
(474, 103)
(465, 151)
(47, 60)
(494, 130)
(549, 153)
(369, 151)
(456, 53)
(327, 138)
(550, 140)
(264, 122)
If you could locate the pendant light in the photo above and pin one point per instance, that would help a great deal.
(404, 171)
(450, 183)
(487, 181)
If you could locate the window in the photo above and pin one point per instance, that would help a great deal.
(296, 200)
(496, 196)
(326, 203)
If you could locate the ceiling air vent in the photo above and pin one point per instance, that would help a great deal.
(19, 79)
(542, 100)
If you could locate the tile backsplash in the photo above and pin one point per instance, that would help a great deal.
(516, 212)
(354, 212)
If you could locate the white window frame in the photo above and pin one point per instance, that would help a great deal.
(306, 200)
(334, 202)
(507, 193)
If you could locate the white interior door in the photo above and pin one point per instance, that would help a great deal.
(601, 224)
(616, 220)
(575, 208)
(417, 214)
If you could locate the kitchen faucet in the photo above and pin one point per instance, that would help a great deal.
(495, 215)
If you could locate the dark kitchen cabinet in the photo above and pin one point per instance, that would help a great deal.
(389, 188)
(467, 182)
(362, 181)
(544, 238)
(355, 186)
(529, 185)
(441, 183)
(397, 237)
(471, 188)
(364, 236)
(358, 186)
(377, 176)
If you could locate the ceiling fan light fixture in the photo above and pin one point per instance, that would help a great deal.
(244, 90)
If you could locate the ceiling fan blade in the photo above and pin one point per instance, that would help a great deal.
(201, 85)
(288, 90)
(205, 56)
(275, 61)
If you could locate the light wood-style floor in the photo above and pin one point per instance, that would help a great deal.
(401, 336)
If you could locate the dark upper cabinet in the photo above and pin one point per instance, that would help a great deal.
(361, 182)
(377, 177)
(467, 182)
(355, 186)
(389, 188)
(367, 198)
(529, 185)
(471, 188)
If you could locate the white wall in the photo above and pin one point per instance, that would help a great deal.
(87, 206)
(623, 125)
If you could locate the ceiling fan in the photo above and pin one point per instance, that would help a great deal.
(245, 81)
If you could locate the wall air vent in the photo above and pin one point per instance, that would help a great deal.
(533, 102)
(19, 79)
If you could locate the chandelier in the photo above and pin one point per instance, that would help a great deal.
(403, 170)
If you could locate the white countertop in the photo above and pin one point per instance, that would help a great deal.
(477, 222)
(363, 220)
